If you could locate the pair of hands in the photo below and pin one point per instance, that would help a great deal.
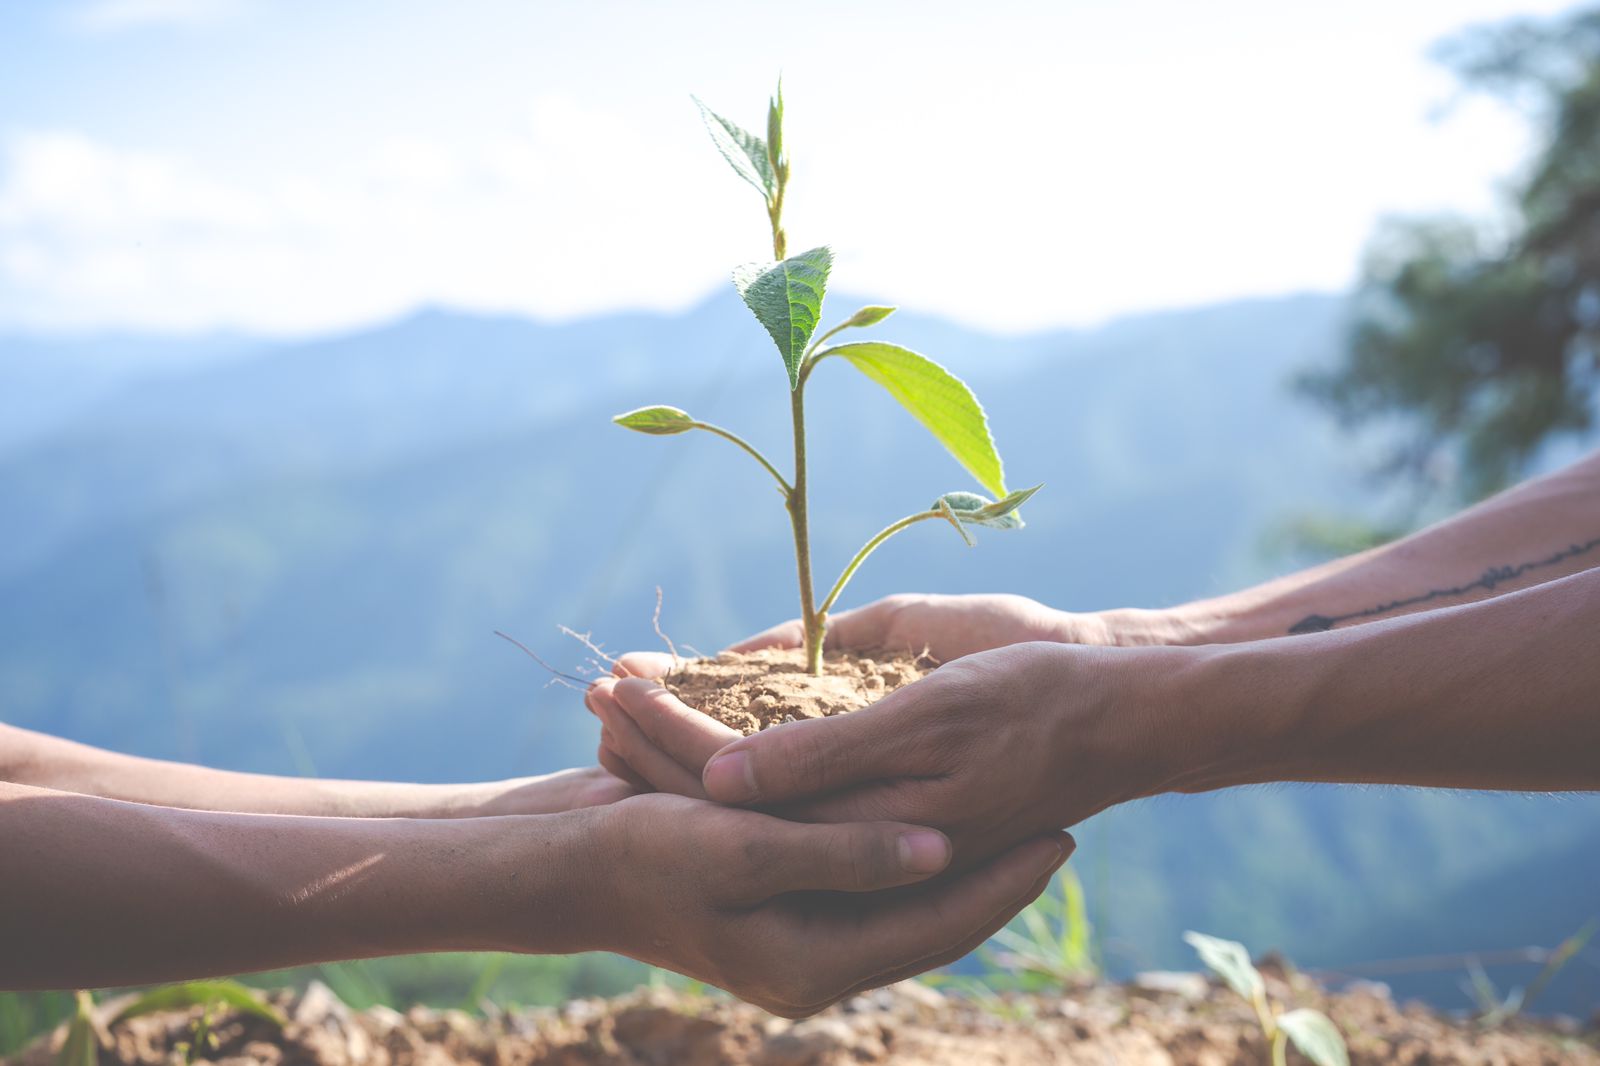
(980, 753)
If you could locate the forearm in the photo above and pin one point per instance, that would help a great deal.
(28, 758)
(99, 892)
(1542, 530)
(1502, 694)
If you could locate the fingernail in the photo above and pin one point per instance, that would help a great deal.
(924, 852)
(731, 778)
(1065, 846)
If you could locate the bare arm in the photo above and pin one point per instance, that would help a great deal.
(1503, 693)
(1500, 694)
(1541, 530)
(100, 892)
(28, 758)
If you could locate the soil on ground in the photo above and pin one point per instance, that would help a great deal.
(1159, 1020)
(754, 690)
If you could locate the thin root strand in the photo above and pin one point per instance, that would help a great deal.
(557, 675)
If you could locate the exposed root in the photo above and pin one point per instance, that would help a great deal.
(587, 640)
(655, 620)
(557, 678)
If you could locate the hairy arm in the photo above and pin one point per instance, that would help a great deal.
(1501, 694)
(28, 758)
(1543, 529)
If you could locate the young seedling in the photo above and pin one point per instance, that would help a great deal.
(1311, 1032)
(786, 298)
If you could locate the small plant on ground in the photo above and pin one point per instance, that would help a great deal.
(81, 1047)
(1048, 947)
(1494, 1009)
(1310, 1031)
(786, 298)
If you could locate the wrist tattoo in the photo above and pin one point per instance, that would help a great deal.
(1487, 581)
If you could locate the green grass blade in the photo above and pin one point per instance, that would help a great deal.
(82, 1045)
(187, 994)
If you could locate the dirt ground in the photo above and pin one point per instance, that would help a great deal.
(752, 691)
(1160, 1019)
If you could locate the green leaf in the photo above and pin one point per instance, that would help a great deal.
(936, 398)
(870, 315)
(775, 133)
(82, 1044)
(1231, 961)
(659, 421)
(787, 298)
(981, 511)
(1316, 1037)
(200, 994)
(745, 152)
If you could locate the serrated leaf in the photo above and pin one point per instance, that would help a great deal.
(787, 299)
(1231, 961)
(199, 994)
(870, 315)
(982, 511)
(745, 152)
(1315, 1036)
(936, 398)
(659, 421)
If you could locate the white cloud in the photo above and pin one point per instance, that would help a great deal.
(544, 223)
(109, 16)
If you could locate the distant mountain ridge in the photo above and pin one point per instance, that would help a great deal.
(297, 552)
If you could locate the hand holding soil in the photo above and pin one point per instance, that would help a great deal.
(761, 889)
(992, 748)
(940, 627)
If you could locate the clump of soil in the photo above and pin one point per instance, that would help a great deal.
(1159, 1020)
(750, 691)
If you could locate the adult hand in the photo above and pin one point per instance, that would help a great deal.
(756, 905)
(939, 626)
(565, 790)
(944, 627)
(991, 749)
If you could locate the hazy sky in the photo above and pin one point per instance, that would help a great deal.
(301, 165)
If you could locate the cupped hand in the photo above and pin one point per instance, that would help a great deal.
(790, 916)
(944, 627)
(991, 749)
(565, 790)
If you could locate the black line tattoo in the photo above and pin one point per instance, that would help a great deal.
(1495, 575)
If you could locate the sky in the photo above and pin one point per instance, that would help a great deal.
(291, 167)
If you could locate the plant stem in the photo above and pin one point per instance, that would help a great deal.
(741, 442)
(867, 549)
(1280, 1049)
(780, 240)
(815, 621)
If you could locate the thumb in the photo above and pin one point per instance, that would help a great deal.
(798, 760)
(790, 634)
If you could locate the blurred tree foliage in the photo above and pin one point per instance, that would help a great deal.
(1478, 340)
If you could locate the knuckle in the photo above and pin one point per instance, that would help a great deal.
(809, 761)
(855, 858)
